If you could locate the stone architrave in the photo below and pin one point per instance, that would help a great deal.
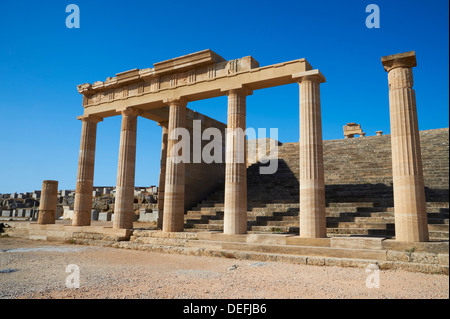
(123, 208)
(312, 180)
(411, 223)
(85, 177)
(162, 172)
(235, 209)
(48, 202)
(173, 217)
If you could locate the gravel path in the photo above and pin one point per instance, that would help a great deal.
(31, 269)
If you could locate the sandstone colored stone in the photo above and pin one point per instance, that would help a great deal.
(357, 242)
(123, 209)
(85, 176)
(48, 202)
(267, 239)
(175, 170)
(352, 129)
(235, 207)
(443, 259)
(409, 192)
(312, 180)
(316, 242)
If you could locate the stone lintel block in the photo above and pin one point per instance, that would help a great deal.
(405, 59)
(357, 242)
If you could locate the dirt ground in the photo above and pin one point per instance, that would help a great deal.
(36, 269)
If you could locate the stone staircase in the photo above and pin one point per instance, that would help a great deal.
(431, 257)
(359, 196)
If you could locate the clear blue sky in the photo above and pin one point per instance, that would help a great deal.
(42, 61)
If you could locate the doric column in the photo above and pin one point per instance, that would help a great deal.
(85, 177)
(162, 172)
(235, 210)
(48, 203)
(411, 223)
(123, 208)
(173, 218)
(312, 182)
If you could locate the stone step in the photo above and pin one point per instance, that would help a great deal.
(432, 221)
(361, 231)
(352, 204)
(366, 225)
(159, 241)
(438, 227)
(293, 250)
(439, 235)
(204, 226)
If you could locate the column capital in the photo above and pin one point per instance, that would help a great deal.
(164, 124)
(90, 118)
(238, 89)
(400, 60)
(129, 111)
(180, 101)
(312, 75)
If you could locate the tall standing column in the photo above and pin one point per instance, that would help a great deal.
(411, 223)
(162, 172)
(235, 210)
(48, 203)
(173, 218)
(312, 181)
(123, 208)
(85, 177)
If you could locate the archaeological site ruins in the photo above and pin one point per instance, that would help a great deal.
(379, 199)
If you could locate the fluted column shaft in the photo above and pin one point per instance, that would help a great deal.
(411, 223)
(235, 210)
(162, 173)
(85, 177)
(173, 217)
(48, 203)
(123, 208)
(312, 182)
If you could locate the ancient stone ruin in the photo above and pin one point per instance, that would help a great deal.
(352, 129)
(373, 210)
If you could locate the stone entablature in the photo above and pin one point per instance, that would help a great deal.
(197, 76)
(185, 70)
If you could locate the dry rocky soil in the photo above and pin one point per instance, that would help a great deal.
(36, 269)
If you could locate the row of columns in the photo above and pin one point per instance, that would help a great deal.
(410, 214)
